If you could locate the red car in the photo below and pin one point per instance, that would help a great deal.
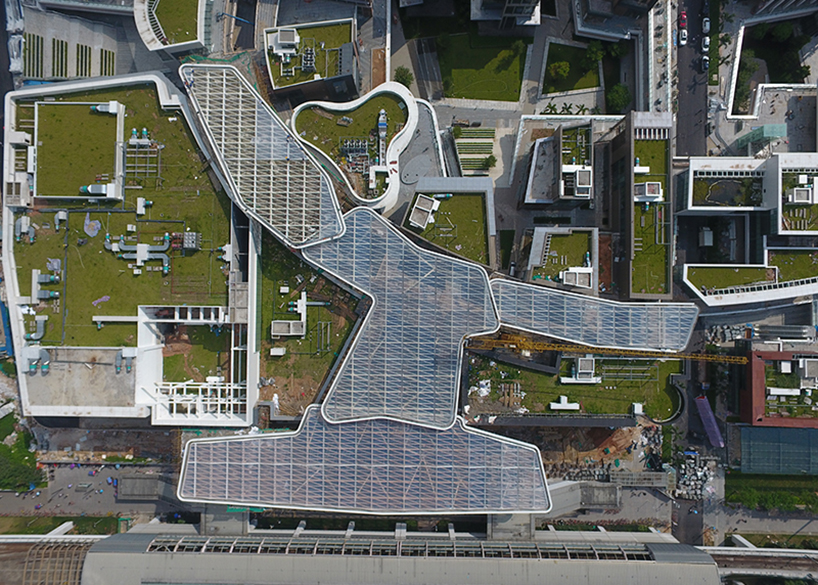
(683, 19)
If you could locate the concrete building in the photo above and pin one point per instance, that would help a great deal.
(509, 13)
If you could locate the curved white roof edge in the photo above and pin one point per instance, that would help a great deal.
(234, 194)
(286, 434)
(396, 146)
(353, 346)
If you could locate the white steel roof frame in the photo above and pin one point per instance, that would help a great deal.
(504, 478)
(364, 341)
(304, 222)
(604, 308)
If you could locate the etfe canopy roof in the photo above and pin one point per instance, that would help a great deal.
(271, 176)
(378, 466)
(405, 364)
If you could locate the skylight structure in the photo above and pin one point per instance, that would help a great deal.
(592, 321)
(270, 175)
(405, 364)
(377, 466)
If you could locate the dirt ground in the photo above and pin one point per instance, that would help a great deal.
(605, 262)
(179, 343)
(378, 67)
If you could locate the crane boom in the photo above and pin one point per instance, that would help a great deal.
(522, 343)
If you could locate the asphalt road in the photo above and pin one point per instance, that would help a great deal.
(691, 118)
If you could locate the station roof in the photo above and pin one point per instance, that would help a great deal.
(405, 363)
(270, 174)
(592, 321)
(379, 466)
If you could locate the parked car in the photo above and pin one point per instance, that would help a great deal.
(683, 37)
(705, 64)
(683, 19)
(705, 44)
(706, 26)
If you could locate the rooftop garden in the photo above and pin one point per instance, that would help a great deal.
(623, 383)
(75, 147)
(651, 237)
(564, 251)
(774, 378)
(296, 377)
(576, 145)
(326, 40)
(330, 131)
(796, 217)
(193, 353)
(179, 19)
(459, 226)
(481, 68)
(719, 277)
(95, 281)
(569, 68)
(794, 265)
(746, 192)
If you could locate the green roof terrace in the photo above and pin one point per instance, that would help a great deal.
(313, 51)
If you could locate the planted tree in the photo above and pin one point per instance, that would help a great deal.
(618, 98)
(404, 76)
(593, 54)
(559, 70)
(490, 161)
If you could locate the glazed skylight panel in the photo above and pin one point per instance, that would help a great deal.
(591, 321)
(405, 363)
(378, 466)
(270, 173)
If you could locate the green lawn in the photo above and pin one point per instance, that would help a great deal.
(775, 379)
(650, 225)
(18, 467)
(68, 158)
(45, 524)
(306, 361)
(727, 192)
(207, 353)
(183, 199)
(624, 382)
(325, 133)
(578, 77)
(326, 40)
(7, 425)
(725, 277)
(460, 226)
(178, 19)
(481, 68)
(784, 492)
(572, 248)
(795, 265)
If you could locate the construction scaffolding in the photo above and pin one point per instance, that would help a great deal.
(587, 320)
(377, 467)
(405, 363)
(271, 175)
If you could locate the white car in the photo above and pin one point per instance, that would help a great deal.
(683, 37)
(705, 44)
(706, 26)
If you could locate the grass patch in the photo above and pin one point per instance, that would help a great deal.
(804, 541)
(307, 361)
(506, 246)
(325, 40)
(783, 492)
(775, 379)
(578, 76)
(481, 68)
(565, 251)
(650, 223)
(18, 467)
(184, 199)
(623, 383)
(69, 158)
(459, 226)
(7, 425)
(721, 277)
(795, 265)
(45, 524)
(179, 19)
(207, 355)
(727, 192)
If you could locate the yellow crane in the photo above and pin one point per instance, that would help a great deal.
(521, 343)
